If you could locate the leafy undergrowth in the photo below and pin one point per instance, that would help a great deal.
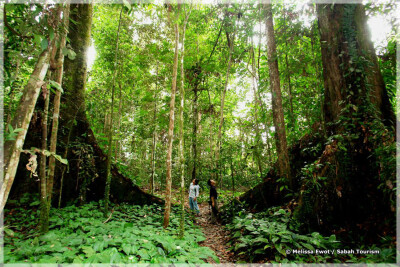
(133, 234)
(273, 236)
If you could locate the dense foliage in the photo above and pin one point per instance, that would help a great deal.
(275, 236)
(132, 234)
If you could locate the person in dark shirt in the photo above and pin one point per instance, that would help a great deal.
(213, 200)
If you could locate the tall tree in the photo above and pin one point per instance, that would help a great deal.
(181, 135)
(230, 37)
(171, 125)
(154, 137)
(277, 109)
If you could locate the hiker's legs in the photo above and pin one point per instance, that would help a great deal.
(191, 205)
(196, 207)
(214, 212)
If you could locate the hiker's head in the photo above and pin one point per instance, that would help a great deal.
(211, 182)
(195, 181)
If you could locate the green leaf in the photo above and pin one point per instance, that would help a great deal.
(71, 54)
(65, 51)
(10, 128)
(60, 159)
(259, 251)
(35, 203)
(37, 38)
(127, 248)
(127, 4)
(161, 251)
(99, 246)
(51, 34)
(9, 232)
(57, 86)
(308, 246)
(280, 249)
(89, 251)
(44, 44)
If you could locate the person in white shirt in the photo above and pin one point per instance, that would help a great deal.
(193, 194)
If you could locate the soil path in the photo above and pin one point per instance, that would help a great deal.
(216, 236)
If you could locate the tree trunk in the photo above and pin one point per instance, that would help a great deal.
(57, 99)
(153, 143)
(339, 46)
(44, 194)
(171, 132)
(257, 104)
(277, 109)
(44, 219)
(21, 120)
(117, 142)
(181, 130)
(195, 125)
(291, 116)
(221, 117)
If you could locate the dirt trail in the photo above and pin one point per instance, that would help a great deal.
(216, 235)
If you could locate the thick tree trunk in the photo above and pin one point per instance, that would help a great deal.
(21, 120)
(72, 118)
(340, 46)
(171, 132)
(277, 109)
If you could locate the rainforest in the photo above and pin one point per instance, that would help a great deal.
(199, 133)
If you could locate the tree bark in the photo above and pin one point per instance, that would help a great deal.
(195, 126)
(171, 132)
(277, 109)
(154, 141)
(44, 219)
(257, 104)
(181, 130)
(57, 99)
(340, 46)
(21, 120)
(221, 117)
